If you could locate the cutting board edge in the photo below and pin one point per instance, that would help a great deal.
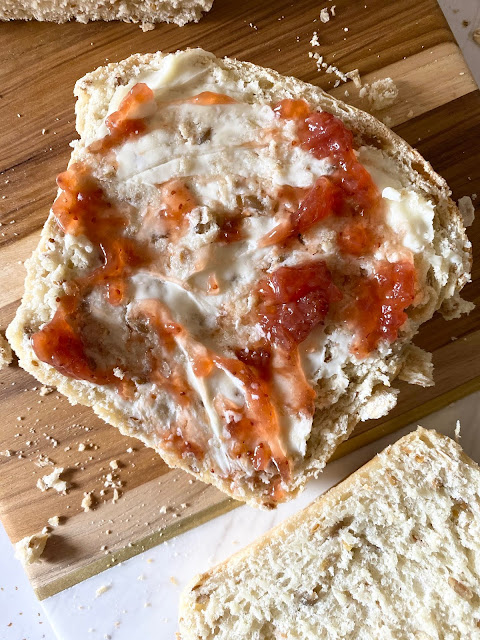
(47, 590)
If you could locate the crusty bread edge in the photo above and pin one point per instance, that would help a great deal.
(168, 12)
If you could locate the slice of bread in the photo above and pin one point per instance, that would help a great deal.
(247, 294)
(146, 12)
(393, 551)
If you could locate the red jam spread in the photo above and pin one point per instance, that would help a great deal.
(129, 120)
(60, 345)
(295, 300)
(178, 201)
(230, 229)
(209, 98)
(349, 196)
(378, 310)
(290, 301)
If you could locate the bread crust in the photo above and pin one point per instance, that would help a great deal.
(94, 92)
(147, 12)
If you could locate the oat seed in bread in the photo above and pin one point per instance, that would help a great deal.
(391, 552)
(147, 12)
(234, 268)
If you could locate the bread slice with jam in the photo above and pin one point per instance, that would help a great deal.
(234, 268)
(391, 552)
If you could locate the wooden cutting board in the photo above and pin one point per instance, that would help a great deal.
(438, 111)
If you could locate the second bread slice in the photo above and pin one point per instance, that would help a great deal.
(392, 552)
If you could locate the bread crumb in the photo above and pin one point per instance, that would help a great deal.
(380, 94)
(163, 509)
(113, 464)
(314, 41)
(476, 36)
(5, 352)
(173, 580)
(8, 453)
(354, 75)
(457, 431)
(324, 15)
(45, 391)
(102, 589)
(29, 549)
(147, 26)
(116, 496)
(54, 521)
(88, 501)
(82, 446)
(467, 210)
(53, 481)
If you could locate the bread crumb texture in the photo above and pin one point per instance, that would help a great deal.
(467, 210)
(5, 353)
(29, 549)
(380, 94)
(53, 481)
(391, 552)
(146, 12)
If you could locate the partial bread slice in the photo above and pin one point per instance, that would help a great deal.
(391, 552)
(243, 165)
(145, 11)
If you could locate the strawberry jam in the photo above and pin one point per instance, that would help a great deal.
(129, 121)
(59, 344)
(210, 98)
(348, 201)
(295, 300)
(378, 310)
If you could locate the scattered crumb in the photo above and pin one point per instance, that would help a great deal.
(5, 352)
(82, 446)
(53, 481)
(467, 210)
(43, 461)
(88, 501)
(476, 36)
(45, 391)
(163, 509)
(29, 549)
(147, 26)
(314, 41)
(116, 496)
(324, 15)
(354, 75)
(113, 464)
(102, 589)
(173, 580)
(380, 94)
(457, 431)
(8, 453)
(54, 521)
(130, 450)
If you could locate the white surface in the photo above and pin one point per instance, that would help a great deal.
(147, 608)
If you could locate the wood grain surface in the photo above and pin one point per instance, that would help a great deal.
(438, 111)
